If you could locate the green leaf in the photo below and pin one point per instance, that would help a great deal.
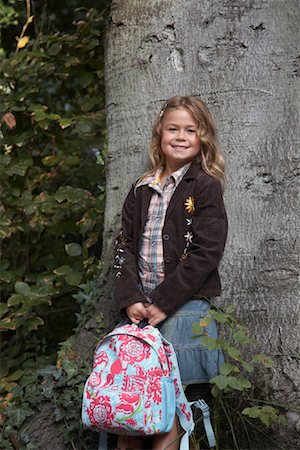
(235, 383)
(221, 381)
(62, 270)
(74, 278)
(215, 390)
(84, 127)
(226, 368)
(252, 412)
(15, 375)
(22, 288)
(262, 359)
(50, 160)
(7, 324)
(65, 123)
(248, 366)
(230, 309)
(242, 337)
(32, 323)
(209, 342)
(55, 49)
(205, 321)
(19, 415)
(197, 329)
(3, 309)
(7, 276)
(15, 299)
(4, 264)
(246, 384)
(220, 317)
(234, 353)
(73, 249)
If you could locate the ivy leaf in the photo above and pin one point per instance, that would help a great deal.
(73, 249)
(19, 415)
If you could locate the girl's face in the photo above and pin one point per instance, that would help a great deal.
(179, 141)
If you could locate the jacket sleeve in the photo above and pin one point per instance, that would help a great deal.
(127, 289)
(209, 232)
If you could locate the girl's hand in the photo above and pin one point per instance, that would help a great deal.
(155, 315)
(137, 312)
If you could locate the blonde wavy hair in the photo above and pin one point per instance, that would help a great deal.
(209, 156)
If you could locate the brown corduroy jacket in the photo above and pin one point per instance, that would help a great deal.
(194, 236)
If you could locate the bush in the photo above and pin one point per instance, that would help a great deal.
(52, 186)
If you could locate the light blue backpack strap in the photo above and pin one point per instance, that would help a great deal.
(200, 404)
(102, 441)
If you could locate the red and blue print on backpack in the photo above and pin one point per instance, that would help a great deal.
(131, 389)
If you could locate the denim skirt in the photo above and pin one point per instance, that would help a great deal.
(196, 363)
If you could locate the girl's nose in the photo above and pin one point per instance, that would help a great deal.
(181, 135)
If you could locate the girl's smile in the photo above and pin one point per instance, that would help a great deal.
(179, 142)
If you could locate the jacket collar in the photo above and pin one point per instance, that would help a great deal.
(147, 192)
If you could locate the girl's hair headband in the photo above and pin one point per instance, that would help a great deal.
(163, 109)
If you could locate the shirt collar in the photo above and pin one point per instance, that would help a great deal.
(153, 180)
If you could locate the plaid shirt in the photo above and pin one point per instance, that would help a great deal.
(151, 258)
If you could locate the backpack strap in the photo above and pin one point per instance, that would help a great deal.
(102, 441)
(200, 404)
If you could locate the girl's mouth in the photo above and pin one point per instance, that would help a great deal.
(179, 148)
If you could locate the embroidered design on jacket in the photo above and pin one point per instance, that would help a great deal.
(119, 257)
(188, 240)
(190, 204)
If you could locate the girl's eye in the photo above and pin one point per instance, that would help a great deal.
(172, 129)
(191, 131)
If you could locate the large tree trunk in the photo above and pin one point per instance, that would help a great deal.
(240, 57)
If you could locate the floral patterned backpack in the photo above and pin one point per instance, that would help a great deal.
(135, 385)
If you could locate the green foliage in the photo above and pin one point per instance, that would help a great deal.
(57, 382)
(233, 387)
(61, 386)
(52, 191)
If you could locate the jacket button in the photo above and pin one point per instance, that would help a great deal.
(166, 237)
(167, 259)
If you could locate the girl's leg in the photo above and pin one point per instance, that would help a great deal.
(128, 442)
(168, 441)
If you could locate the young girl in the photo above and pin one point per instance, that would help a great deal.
(174, 229)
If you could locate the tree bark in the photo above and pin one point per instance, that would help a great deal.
(240, 57)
